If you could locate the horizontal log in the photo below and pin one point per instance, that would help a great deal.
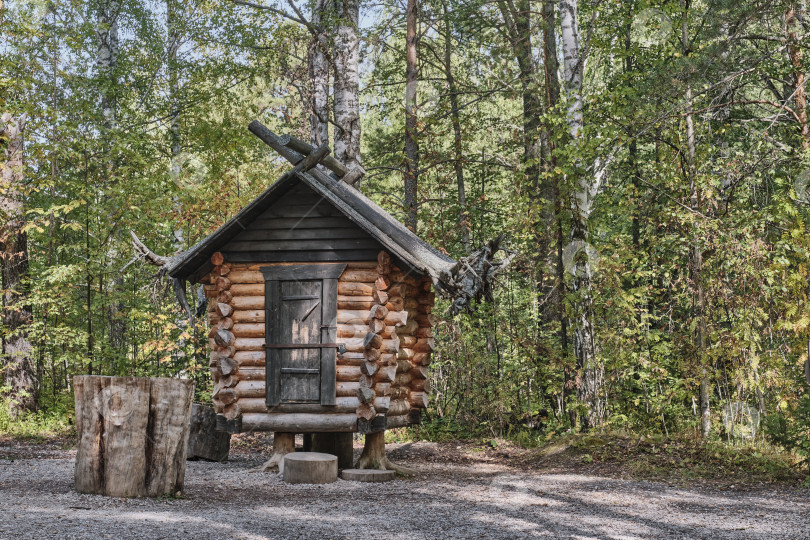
(390, 345)
(419, 372)
(403, 379)
(217, 259)
(259, 405)
(347, 373)
(353, 359)
(224, 338)
(225, 324)
(246, 276)
(396, 303)
(405, 353)
(411, 303)
(385, 374)
(251, 373)
(223, 283)
(211, 291)
(404, 366)
(249, 358)
(348, 316)
(382, 388)
(418, 400)
(348, 288)
(369, 369)
(400, 393)
(424, 332)
(408, 279)
(399, 406)
(424, 345)
(365, 265)
(400, 290)
(362, 275)
(299, 422)
(250, 389)
(355, 302)
(427, 298)
(224, 310)
(224, 297)
(388, 359)
(249, 330)
(396, 318)
(372, 341)
(249, 344)
(420, 385)
(407, 341)
(382, 403)
(248, 316)
(422, 359)
(248, 302)
(247, 289)
(346, 388)
(378, 312)
(392, 422)
(227, 366)
(381, 297)
(410, 327)
(224, 270)
(382, 282)
(366, 411)
(352, 330)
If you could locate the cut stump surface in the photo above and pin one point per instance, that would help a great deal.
(368, 475)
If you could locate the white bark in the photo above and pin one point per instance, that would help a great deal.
(107, 57)
(347, 83)
(319, 78)
(590, 380)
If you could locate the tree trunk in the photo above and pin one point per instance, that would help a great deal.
(346, 54)
(800, 94)
(283, 444)
(319, 78)
(373, 456)
(107, 57)
(132, 435)
(411, 143)
(16, 367)
(455, 120)
(586, 188)
(696, 255)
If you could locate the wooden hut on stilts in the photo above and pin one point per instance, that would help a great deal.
(320, 306)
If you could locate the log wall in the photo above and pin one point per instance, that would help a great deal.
(383, 317)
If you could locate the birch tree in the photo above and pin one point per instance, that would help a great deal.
(346, 54)
(585, 187)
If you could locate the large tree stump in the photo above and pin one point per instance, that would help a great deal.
(204, 441)
(310, 468)
(132, 435)
(337, 444)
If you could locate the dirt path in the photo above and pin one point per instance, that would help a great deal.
(461, 494)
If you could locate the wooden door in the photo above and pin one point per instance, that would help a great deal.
(301, 329)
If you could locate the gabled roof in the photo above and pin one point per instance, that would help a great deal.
(400, 241)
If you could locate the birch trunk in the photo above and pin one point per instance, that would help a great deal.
(16, 367)
(319, 78)
(411, 143)
(347, 84)
(107, 57)
(585, 189)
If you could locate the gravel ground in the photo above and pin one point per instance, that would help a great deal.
(458, 495)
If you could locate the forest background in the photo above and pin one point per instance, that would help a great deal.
(647, 161)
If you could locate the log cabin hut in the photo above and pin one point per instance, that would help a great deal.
(320, 304)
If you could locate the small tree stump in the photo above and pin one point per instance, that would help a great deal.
(132, 435)
(310, 468)
(204, 441)
(368, 475)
